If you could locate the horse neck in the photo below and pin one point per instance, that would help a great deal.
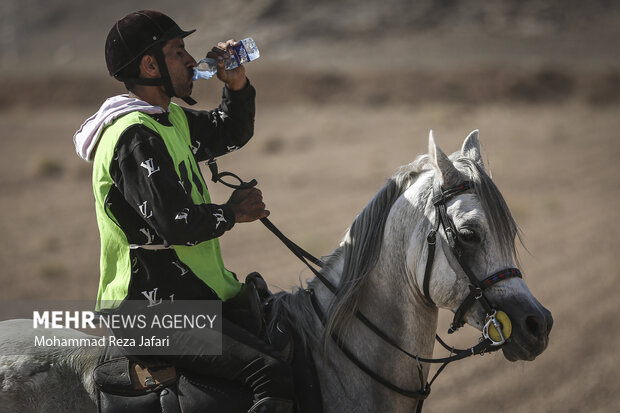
(391, 300)
(392, 289)
(391, 297)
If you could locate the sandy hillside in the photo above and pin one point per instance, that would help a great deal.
(347, 92)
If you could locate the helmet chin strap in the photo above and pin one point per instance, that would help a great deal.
(165, 77)
(189, 100)
(164, 80)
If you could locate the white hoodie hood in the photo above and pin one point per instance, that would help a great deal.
(86, 138)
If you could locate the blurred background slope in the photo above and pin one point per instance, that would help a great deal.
(453, 50)
(347, 91)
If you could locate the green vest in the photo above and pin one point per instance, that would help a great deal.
(204, 259)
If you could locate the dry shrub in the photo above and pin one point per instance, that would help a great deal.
(48, 167)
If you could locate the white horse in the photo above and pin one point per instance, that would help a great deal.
(380, 270)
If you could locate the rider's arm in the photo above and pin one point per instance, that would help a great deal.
(144, 173)
(226, 128)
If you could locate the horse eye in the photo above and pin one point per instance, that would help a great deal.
(469, 236)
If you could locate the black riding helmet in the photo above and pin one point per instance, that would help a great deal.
(134, 35)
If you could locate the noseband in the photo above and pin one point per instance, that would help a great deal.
(476, 287)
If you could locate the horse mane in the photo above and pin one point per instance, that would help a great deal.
(360, 250)
(361, 246)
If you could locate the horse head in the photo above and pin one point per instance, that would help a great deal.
(473, 260)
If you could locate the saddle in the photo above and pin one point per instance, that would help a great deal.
(148, 385)
(126, 386)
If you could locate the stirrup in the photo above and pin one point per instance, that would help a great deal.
(273, 405)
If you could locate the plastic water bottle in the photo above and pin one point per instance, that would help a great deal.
(245, 51)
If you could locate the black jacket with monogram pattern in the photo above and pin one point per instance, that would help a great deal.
(216, 132)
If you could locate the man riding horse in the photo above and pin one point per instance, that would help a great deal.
(159, 229)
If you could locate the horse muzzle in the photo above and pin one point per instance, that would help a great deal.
(531, 325)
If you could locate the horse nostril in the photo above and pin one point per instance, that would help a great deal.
(533, 325)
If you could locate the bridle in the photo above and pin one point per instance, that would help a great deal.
(476, 287)
(494, 332)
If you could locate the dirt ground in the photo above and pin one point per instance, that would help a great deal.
(326, 140)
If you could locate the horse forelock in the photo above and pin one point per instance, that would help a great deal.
(501, 222)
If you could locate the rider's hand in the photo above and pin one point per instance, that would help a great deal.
(235, 79)
(247, 205)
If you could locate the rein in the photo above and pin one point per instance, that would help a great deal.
(477, 287)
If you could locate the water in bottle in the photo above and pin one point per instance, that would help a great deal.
(245, 51)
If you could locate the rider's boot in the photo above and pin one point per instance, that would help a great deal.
(273, 405)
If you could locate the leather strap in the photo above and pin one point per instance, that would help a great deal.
(412, 394)
(145, 378)
(122, 376)
(476, 293)
(500, 276)
(441, 218)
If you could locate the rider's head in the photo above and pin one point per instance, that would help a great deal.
(139, 34)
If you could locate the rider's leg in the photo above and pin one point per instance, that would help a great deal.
(245, 359)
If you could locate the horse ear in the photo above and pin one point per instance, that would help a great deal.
(446, 171)
(471, 148)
